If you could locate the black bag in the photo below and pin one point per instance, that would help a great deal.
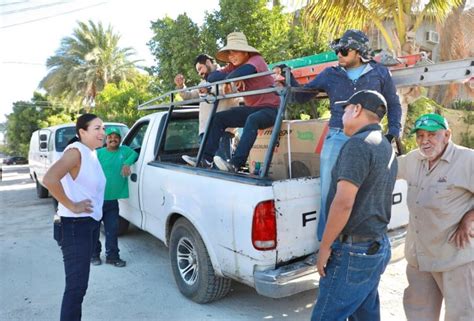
(58, 229)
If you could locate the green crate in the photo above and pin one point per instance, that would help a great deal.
(308, 60)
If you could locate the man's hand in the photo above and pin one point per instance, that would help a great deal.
(126, 170)
(84, 206)
(323, 257)
(464, 231)
(179, 81)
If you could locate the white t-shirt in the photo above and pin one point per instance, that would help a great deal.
(89, 184)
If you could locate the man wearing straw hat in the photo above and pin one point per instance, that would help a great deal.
(439, 247)
(259, 111)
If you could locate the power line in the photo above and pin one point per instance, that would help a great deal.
(23, 63)
(10, 3)
(52, 16)
(4, 13)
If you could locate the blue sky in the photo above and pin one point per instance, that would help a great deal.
(31, 31)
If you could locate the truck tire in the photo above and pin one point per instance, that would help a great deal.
(192, 267)
(123, 225)
(41, 191)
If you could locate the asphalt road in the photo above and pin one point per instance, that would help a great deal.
(32, 276)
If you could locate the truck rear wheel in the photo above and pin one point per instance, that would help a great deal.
(41, 191)
(192, 267)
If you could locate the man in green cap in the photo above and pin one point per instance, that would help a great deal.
(115, 161)
(439, 248)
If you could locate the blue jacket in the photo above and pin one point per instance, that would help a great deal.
(337, 85)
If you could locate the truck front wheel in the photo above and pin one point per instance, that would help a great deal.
(192, 267)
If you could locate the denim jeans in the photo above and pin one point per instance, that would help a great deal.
(333, 143)
(225, 145)
(350, 288)
(251, 118)
(110, 218)
(76, 245)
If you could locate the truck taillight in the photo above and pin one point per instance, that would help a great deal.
(264, 226)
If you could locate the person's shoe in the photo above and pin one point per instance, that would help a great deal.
(193, 161)
(116, 262)
(190, 160)
(224, 165)
(96, 260)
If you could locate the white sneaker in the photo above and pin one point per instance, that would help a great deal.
(224, 165)
(193, 161)
(190, 160)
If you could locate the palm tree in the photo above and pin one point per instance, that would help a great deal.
(335, 16)
(85, 62)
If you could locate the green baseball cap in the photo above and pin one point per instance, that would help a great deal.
(430, 122)
(113, 130)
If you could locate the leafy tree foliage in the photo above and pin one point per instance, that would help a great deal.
(86, 62)
(28, 117)
(175, 46)
(118, 102)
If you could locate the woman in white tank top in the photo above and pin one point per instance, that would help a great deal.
(77, 181)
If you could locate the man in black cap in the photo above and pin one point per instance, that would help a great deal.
(355, 71)
(355, 250)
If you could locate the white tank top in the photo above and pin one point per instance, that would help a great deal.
(89, 183)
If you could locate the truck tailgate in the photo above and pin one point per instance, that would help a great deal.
(297, 204)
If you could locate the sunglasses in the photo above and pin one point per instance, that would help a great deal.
(429, 122)
(343, 51)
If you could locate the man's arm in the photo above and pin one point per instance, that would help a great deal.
(464, 231)
(339, 213)
(394, 109)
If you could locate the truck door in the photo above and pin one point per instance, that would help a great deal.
(130, 208)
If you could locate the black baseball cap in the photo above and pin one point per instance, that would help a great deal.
(369, 99)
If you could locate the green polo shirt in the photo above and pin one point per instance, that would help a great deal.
(112, 162)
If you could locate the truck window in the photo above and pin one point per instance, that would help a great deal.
(135, 139)
(181, 136)
(63, 136)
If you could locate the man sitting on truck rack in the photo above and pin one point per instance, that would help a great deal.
(355, 250)
(259, 111)
(355, 71)
(205, 64)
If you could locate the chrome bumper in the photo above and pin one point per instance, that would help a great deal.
(288, 280)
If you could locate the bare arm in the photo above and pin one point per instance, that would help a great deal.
(339, 213)
(70, 163)
(464, 231)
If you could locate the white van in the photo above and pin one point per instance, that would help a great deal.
(46, 147)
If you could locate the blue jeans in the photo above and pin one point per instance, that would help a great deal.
(333, 143)
(225, 145)
(110, 218)
(251, 118)
(76, 245)
(350, 288)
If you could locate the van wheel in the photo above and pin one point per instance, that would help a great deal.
(123, 225)
(41, 191)
(192, 267)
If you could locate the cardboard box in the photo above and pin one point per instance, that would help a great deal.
(297, 151)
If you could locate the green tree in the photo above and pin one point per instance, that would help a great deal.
(87, 61)
(28, 117)
(118, 102)
(175, 46)
(335, 16)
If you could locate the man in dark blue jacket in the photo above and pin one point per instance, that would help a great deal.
(355, 71)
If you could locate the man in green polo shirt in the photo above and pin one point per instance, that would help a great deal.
(115, 161)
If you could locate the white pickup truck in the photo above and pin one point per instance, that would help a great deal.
(222, 226)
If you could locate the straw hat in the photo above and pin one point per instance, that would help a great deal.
(235, 41)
